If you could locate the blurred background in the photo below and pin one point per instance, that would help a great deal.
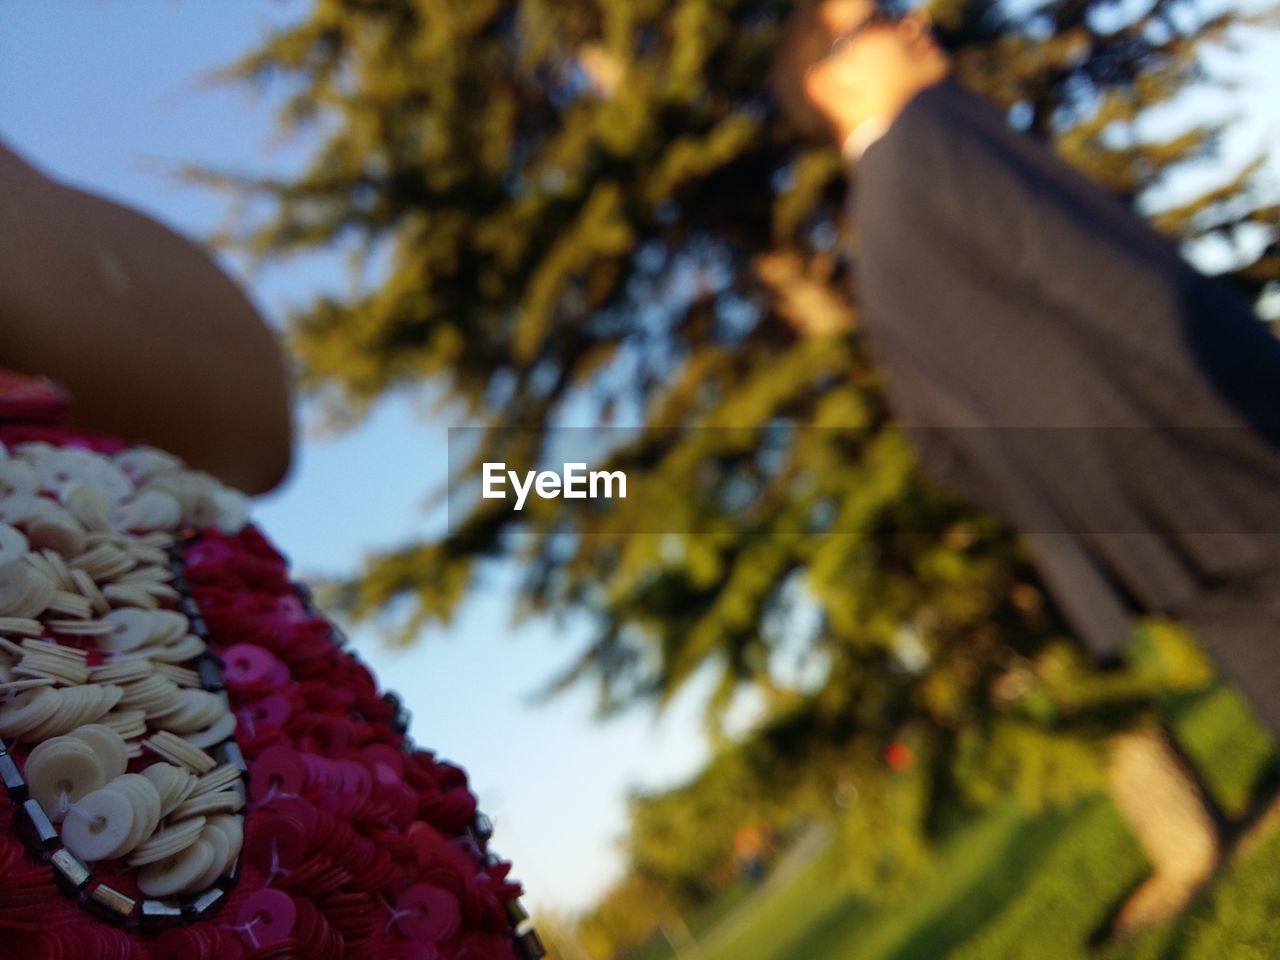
(748, 737)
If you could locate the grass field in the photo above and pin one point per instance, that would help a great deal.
(1010, 887)
(1007, 888)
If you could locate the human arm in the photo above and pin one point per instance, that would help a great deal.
(151, 339)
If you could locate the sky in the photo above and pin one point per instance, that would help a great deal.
(108, 95)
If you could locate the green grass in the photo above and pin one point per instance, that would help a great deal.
(1237, 919)
(997, 885)
(1011, 887)
(1229, 749)
(702, 923)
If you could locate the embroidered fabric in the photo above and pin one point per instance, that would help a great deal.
(356, 842)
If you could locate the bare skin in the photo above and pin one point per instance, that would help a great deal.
(877, 70)
(152, 340)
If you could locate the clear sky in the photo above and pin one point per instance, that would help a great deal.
(106, 94)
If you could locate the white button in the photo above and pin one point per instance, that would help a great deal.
(99, 826)
(60, 771)
(176, 873)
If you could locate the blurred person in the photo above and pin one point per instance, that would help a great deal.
(748, 852)
(1052, 357)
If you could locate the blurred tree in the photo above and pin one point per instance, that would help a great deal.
(570, 213)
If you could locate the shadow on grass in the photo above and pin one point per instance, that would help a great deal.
(1235, 916)
(951, 919)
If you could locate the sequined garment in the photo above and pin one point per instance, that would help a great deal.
(195, 765)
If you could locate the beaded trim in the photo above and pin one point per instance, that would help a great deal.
(78, 880)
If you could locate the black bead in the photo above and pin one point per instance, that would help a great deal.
(400, 723)
(306, 597)
(69, 873)
(204, 906)
(210, 673)
(482, 826)
(231, 876)
(36, 830)
(529, 945)
(157, 915)
(229, 752)
(11, 776)
(198, 626)
(179, 580)
(517, 915)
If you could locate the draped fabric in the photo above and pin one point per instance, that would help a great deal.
(1057, 361)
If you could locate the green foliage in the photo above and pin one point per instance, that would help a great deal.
(593, 206)
(588, 213)
(1234, 756)
(882, 838)
(1039, 768)
(634, 909)
(1004, 880)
